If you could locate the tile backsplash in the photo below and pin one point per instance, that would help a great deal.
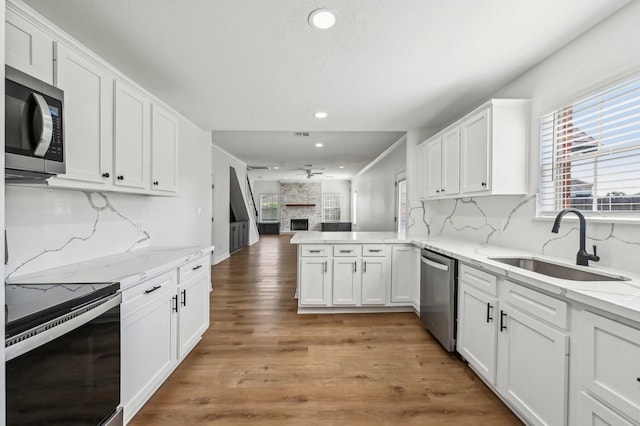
(509, 221)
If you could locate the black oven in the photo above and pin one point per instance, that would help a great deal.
(62, 348)
(34, 137)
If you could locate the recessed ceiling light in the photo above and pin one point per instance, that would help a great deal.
(276, 168)
(341, 167)
(322, 19)
(319, 145)
(320, 114)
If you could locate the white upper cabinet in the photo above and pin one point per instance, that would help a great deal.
(88, 103)
(484, 153)
(131, 137)
(28, 48)
(474, 153)
(164, 150)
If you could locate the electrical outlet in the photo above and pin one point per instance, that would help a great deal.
(199, 212)
(139, 228)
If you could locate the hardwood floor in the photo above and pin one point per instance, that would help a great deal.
(260, 363)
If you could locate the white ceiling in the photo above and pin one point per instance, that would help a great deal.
(256, 66)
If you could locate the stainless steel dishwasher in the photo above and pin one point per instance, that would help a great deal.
(438, 288)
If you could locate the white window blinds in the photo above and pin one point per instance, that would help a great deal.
(590, 153)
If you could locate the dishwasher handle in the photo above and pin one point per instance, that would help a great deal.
(436, 265)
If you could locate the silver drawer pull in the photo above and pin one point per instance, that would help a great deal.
(151, 290)
(196, 267)
(315, 251)
(346, 251)
(374, 251)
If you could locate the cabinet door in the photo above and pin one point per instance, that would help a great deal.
(164, 150)
(28, 48)
(193, 312)
(88, 97)
(533, 367)
(315, 277)
(131, 137)
(403, 278)
(346, 280)
(477, 330)
(434, 167)
(148, 351)
(375, 281)
(610, 352)
(474, 173)
(451, 162)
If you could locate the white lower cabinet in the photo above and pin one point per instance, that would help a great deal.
(515, 339)
(346, 281)
(374, 281)
(162, 320)
(404, 261)
(608, 356)
(477, 330)
(314, 274)
(149, 330)
(193, 318)
(592, 413)
(533, 367)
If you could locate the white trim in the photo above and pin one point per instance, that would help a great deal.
(223, 256)
(225, 152)
(382, 156)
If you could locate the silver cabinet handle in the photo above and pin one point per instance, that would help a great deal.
(315, 251)
(355, 266)
(364, 267)
(435, 264)
(346, 251)
(325, 266)
(375, 251)
(195, 268)
(44, 120)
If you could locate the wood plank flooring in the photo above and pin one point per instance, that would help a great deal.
(262, 364)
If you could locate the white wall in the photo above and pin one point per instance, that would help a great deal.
(601, 55)
(51, 227)
(376, 190)
(2, 205)
(222, 161)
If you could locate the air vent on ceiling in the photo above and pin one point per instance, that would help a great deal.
(300, 134)
(258, 168)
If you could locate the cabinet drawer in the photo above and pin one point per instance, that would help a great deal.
(377, 250)
(348, 250)
(314, 250)
(192, 268)
(479, 279)
(539, 305)
(147, 291)
(592, 413)
(611, 352)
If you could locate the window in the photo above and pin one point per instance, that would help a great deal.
(331, 208)
(268, 208)
(590, 153)
(402, 206)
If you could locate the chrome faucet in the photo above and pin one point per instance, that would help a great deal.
(583, 257)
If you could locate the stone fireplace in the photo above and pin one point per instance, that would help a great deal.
(299, 225)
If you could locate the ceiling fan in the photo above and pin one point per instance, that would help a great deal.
(309, 171)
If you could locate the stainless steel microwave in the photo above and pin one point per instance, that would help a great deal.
(34, 136)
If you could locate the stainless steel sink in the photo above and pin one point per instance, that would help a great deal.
(556, 270)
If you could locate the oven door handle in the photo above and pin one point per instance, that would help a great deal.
(47, 335)
(42, 119)
(436, 265)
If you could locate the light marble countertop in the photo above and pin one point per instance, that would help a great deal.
(127, 268)
(620, 298)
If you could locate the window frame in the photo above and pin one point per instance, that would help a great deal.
(277, 208)
(338, 199)
(611, 103)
